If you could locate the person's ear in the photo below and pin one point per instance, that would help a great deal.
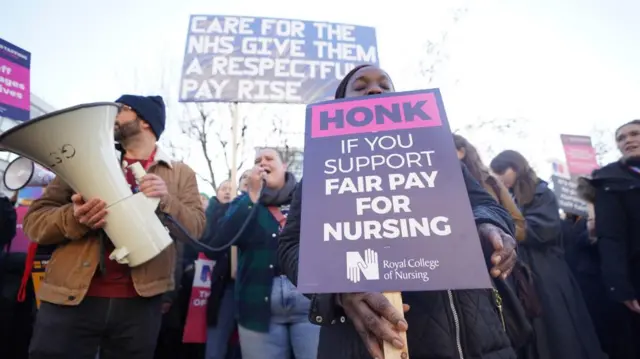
(144, 124)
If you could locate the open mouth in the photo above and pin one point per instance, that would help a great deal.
(631, 147)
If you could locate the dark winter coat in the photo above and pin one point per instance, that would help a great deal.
(434, 318)
(221, 274)
(11, 264)
(610, 319)
(617, 208)
(580, 252)
(564, 331)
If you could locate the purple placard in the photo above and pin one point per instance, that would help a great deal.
(15, 96)
(396, 216)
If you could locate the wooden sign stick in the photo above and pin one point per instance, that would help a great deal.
(390, 352)
(234, 177)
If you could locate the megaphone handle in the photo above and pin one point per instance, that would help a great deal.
(138, 171)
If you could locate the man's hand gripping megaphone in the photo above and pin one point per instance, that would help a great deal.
(92, 213)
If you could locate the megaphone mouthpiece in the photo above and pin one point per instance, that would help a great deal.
(22, 172)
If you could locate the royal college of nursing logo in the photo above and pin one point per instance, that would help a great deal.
(368, 266)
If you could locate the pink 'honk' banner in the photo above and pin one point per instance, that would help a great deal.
(375, 114)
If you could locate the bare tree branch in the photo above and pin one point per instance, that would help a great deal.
(489, 128)
(209, 126)
(203, 137)
(177, 152)
(240, 146)
(603, 143)
(206, 180)
(436, 51)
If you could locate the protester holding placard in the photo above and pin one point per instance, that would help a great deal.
(354, 325)
(272, 313)
(617, 210)
(565, 329)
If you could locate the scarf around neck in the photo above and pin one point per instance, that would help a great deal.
(279, 197)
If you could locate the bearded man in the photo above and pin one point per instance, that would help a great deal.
(90, 302)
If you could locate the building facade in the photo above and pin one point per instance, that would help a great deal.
(38, 108)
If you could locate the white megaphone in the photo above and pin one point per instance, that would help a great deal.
(77, 145)
(22, 172)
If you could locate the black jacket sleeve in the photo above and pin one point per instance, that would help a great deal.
(542, 215)
(289, 239)
(612, 232)
(581, 234)
(324, 309)
(215, 211)
(8, 220)
(485, 208)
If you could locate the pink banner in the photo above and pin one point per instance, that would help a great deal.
(195, 328)
(375, 114)
(14, 85)
(20, 242)
(580, 154)
(15, 99)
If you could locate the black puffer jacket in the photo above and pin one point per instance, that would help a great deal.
(442, 325)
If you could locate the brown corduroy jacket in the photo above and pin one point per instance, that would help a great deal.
(50, 220)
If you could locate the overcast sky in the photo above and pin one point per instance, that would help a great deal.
(563, 66)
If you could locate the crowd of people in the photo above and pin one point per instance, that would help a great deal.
(564, 286)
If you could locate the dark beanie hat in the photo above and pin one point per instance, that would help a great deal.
(149, 108)
(341, 91)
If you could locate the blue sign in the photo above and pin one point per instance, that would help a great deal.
(250, 59)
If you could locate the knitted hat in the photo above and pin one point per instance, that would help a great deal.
(341, 91)
(149, 108)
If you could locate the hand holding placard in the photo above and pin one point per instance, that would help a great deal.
(378, 318)
(384, 189)
(390, 351)
(502, 247)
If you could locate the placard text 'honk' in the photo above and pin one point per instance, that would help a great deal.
(375, 114)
